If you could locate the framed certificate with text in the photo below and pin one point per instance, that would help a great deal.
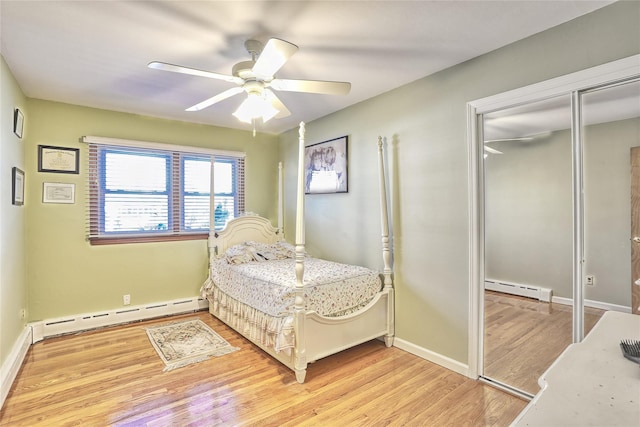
(58, 159)
(57, 192)
(17, 191)
(18, 122)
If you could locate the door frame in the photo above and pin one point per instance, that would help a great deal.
(571, 84)
(635, 229)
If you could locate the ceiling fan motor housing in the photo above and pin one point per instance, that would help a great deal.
(254, 47)
(253, 87)
(244, 70)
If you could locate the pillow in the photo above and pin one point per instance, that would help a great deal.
(277, 250)
(257, 251)
(239, 254)
(285, 249)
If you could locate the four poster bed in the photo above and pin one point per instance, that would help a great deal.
(297, 308)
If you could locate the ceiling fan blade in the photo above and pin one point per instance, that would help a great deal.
(492, 150)
(278, 105)
(219, 97)
(193, 71)
(273, 56)
(311, 86)
(524, 138)
(545, 134)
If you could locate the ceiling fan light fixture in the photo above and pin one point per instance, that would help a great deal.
(254, 107)
(256, 77)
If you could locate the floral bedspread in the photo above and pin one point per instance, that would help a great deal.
(252, 288)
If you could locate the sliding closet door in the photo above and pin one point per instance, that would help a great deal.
(610, 129)
(555, 206)
(554, 196)
(528, 240)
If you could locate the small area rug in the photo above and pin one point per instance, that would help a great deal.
(182, 343)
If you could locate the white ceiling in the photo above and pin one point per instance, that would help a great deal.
(95, 53)
(540, 118)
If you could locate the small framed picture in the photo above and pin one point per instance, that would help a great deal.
(325, 166)
(17, 188)
(56, 192)
(18, 122)
(58, 159)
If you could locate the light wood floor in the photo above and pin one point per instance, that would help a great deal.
(114, 377)
(524, 336)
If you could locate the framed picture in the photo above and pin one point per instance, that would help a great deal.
(325, 166)
(17, 188)
(56, 192)
(58, 159)
(18, 122)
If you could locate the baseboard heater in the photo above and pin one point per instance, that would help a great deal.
(84, 322)
(536, 292)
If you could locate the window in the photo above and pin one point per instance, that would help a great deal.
(197, 179)
(145, 193)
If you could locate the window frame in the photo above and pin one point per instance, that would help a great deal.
(176, 155)
(183, 193)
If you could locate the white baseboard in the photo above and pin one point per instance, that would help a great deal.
(101, 319)
(13, 362)
(438, 359)
(536, 292)
(546, 294)
(594, 304)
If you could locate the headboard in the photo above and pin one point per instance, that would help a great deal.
(242, 229)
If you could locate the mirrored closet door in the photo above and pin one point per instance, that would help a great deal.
(528, 241)
(538, 297)
(611, 141)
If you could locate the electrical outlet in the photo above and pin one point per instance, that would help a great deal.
(126, 299)
(23, 314)
(590, 280)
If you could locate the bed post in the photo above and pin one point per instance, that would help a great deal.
(386, 252)
(300, 357)
(212, 211)
(280, 207)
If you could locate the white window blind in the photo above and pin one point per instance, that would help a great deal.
(150, 192)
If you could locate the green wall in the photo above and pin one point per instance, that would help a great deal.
(13, 288)
(424, 124)
(68, 276)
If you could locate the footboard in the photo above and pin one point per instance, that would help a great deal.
(328, 335)
(323, 336)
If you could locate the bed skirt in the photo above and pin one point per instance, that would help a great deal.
(268, 331)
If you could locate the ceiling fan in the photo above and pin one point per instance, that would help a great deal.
(532, 137)
(489, 150)
(256, 77)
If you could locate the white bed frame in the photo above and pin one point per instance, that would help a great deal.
(317, 336)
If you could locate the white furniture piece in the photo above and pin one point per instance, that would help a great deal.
(591, 383)
(315, 336)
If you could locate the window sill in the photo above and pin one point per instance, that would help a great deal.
(99, 241)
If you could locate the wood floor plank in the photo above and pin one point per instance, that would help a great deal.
(113, 377)
(524, 336)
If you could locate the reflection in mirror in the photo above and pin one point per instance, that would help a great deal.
(528, 226)
(611, 130)
(528, 240)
